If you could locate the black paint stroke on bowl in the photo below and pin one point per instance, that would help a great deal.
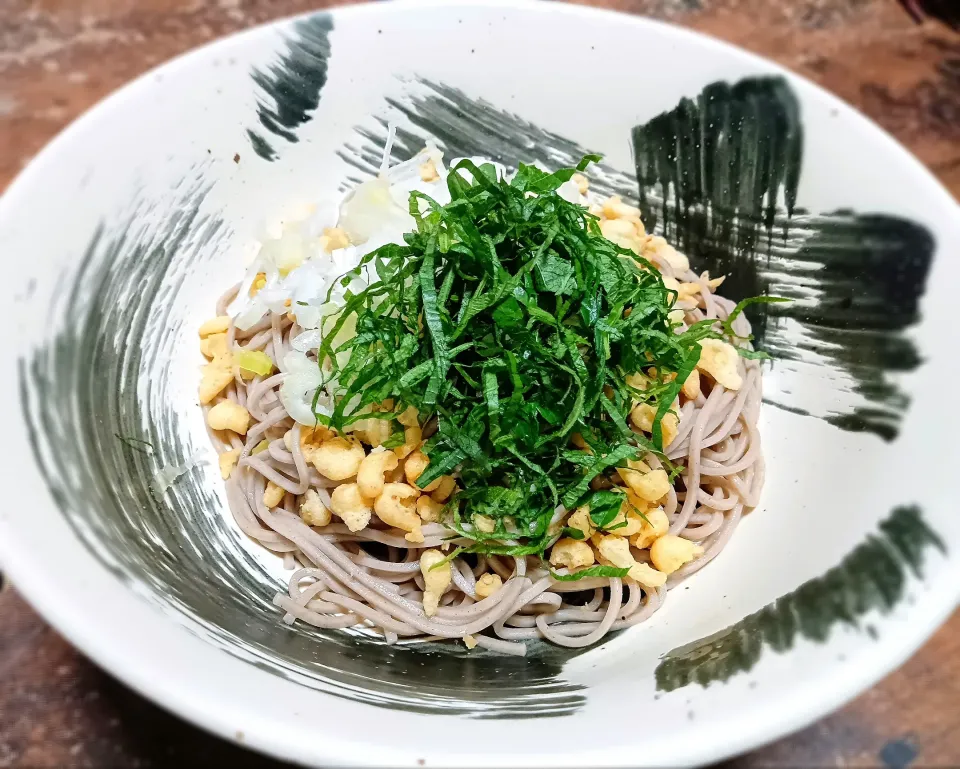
(873, 577)
(462, 126)
(870, 273)
(719, 175)
(290, 87)
(118, 418)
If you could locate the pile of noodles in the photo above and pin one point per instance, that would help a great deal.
(371, 579)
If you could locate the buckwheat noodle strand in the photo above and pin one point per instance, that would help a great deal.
(371, 579)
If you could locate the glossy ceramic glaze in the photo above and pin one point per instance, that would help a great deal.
(120, 236)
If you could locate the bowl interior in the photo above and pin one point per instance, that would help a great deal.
(156, 196)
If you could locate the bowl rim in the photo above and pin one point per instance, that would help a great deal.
(183, 692)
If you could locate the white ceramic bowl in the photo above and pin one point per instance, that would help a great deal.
(120, 235)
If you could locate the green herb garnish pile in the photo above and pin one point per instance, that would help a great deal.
(509, 318)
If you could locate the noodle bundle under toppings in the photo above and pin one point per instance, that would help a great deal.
(544, 354)
(523, 417)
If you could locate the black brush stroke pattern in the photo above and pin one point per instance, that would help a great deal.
(873, 577)
(291, 87)
(463, 127)
(718, 177)
(105, 364)
(734, 149)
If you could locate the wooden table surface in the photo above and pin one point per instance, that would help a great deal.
(58, 57)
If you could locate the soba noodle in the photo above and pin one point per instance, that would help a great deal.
(371, 578)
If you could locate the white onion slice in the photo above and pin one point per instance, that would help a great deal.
(569, 191)
(299, 386)
(371, 209)
(308, 340)
(167, 475)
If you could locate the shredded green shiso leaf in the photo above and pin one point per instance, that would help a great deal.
(512, 321)
(590, 571)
